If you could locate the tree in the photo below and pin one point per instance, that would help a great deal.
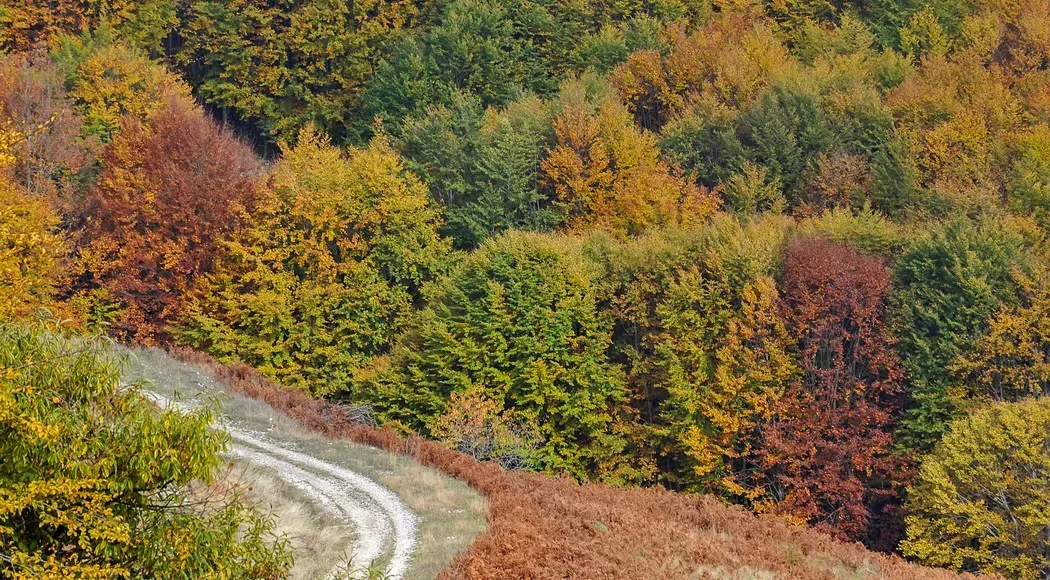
(478, 426)
(168, 195)
(281, 67)
(727, 62)
(99, 483)
(483, 166)
(328, 272)
(518, 321)
(981, 500)
(785, 131)
(52, 154)
(827, 455)
(31, 23)
(751, 191)
(697, 331)
(109, 80)
(1028, 178)
(727, 359)
(604, 173)
(1012, 360)
(947, 285)
(31, 251)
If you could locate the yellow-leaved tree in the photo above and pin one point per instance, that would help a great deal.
(981, 501)
(30, 248)
(605, 173)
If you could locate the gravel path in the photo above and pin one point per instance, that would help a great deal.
(382, 525)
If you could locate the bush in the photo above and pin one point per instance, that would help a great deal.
(473, 424)
(97, 482)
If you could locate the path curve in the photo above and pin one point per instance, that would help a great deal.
(382, 524)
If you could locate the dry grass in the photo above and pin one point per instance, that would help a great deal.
(543, 527)
(451, 513)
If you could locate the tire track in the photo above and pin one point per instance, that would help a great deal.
(382, 524)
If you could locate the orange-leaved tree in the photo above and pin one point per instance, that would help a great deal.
(168, 194)
(827, 457)
(606, 173)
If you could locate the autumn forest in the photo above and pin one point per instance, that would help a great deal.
(790, 254)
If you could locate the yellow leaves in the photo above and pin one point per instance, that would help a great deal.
(606, 174)
(114, 81)
(1011, 359)
(9, 137)
(30, 251)
(729, 62)
(990, 472)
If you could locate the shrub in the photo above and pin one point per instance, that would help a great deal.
(474, 424)
(99, 483)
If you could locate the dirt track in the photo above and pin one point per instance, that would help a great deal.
(380, 522)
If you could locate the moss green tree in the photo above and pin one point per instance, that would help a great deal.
(947, 287)
(518, 320)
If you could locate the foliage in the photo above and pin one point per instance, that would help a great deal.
(51, 157)
(168, 195)
(518, 321)
(991, 471)
(322, 280)
(474, 424)
(483, 166)
(947, 286)
(698, 333)
(284, 66)
(108, 81)
(727, 62)
(606, 174)
(1010, 362)
(31, 251)
(751, 191)
(99, 483)
(826, 456)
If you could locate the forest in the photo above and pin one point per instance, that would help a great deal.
(790, 254)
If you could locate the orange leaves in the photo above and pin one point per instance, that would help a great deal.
(827, 455)
(168, 196)
(727, 62)
(606, 174)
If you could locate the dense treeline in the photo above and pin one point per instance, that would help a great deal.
(792, 254)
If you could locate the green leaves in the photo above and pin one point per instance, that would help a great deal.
(519, 321)
(948, 285)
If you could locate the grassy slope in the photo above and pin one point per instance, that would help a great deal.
(451, 513)
(543, 527)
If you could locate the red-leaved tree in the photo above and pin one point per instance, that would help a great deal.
(827, 457)
(168, 195)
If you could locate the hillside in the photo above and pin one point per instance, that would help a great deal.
(544, 527)
(342, 506)
(762, 274)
